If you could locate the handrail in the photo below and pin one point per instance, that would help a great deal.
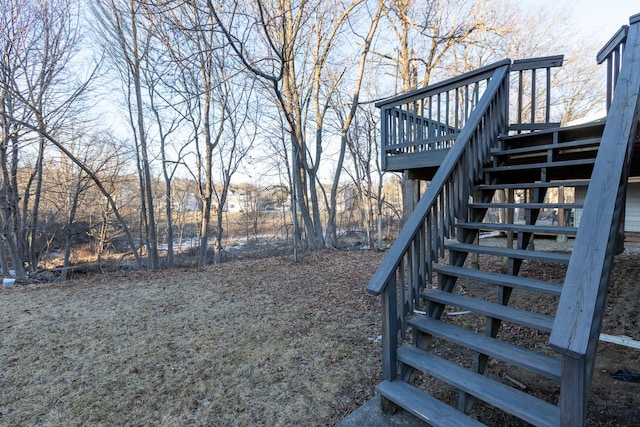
(576, 325)
(613, 44)
(472, 145)
(612, 53)
(578, 320)
(448, 84)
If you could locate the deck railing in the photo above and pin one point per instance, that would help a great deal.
(427, 121)
(431, 118)
(579, 318)
(533, 93)
(407, 267)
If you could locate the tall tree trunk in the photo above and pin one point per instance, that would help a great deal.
(35, 210)
(152, 239)
(68, 241)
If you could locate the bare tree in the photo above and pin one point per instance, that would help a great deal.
(128, 42)
(289, 51)
(40, 94)
(242, 112)
(346, 120)
(197, 54)
(425, 32)
(576, 88)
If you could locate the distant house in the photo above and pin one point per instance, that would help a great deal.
(190, 203)
(235, 201)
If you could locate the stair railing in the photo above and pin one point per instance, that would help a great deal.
(612, 53)
(432, 117)
(407, 267)
(577, 325)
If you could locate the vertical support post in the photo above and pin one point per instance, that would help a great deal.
(619, 243)
(561, 216)
(389, 330)
(510, 220)
(384, 135)
(389, 339)
(573, 395)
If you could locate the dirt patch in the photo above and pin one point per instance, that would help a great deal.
(249, 342)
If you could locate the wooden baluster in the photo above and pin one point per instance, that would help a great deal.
(520, 96)
(457, 125)
(447, 118)
(423, 262)
(415, 272)
(433, 128)
(466, 104)
(441, 211)
(533, 96)
(394, 127)
(547, 116)
(609, 82)
(429, 242)
(404, 298)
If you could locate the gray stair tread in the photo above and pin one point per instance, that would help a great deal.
(524, 228)
(565, 133)
(516, 402)
(549, 146)
(511, 253)
(556, 164)
(527, 205)
(424, 406)
(523, 185)
(529, 319)
(525, 283)
(492, 347)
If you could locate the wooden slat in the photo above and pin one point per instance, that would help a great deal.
(527, 185)
(548, 165)
(566, 133)
(424, 406)
(524, 283)
(541, 62)
(520, 404)
(518, 228)
(544, 147)
(533, 126)
(510, 253)
(515, 355)
(529, 319)
(527, 205)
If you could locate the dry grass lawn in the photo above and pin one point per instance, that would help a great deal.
(262, 342)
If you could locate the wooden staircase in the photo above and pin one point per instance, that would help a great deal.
(459, 334)
(566, 153)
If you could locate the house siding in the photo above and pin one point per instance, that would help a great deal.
(632, 218)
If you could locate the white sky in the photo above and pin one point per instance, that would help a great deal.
(597, 19)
